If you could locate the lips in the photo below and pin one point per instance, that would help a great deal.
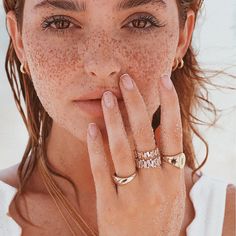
(93, 100)
(97, 95)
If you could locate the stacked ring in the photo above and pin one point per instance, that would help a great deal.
(148, 159)
(151, 159)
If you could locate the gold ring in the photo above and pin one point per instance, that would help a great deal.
(147, 154)
(123, 180)
(151, 163)
(178, 160)
(148, 159)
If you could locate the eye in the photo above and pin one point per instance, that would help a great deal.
(58, 23)
(144, 23)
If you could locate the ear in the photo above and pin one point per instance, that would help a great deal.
(15, 36)
(185, 35)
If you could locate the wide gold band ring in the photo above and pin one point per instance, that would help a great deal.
(148, 159)
(151, 163)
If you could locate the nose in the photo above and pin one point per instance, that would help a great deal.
(101, 62)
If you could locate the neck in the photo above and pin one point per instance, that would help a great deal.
(69, 156)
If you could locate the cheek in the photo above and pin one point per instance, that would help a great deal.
(52, 67)
(51, 60)
(148, 61)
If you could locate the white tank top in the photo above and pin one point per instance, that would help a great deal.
(208, 196)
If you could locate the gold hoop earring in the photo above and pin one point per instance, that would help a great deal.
(181, 64)
(176, 63)
(22, 69)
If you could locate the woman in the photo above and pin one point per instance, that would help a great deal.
(109, 88)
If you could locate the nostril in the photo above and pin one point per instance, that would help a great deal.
(113, 73)
(93, 74)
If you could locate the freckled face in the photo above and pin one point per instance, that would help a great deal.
(72, 53)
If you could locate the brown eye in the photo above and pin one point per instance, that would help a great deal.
(143, 23)
(62, 24)
(140, 23)
(59, 23)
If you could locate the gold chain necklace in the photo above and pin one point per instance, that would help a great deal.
(59, 199)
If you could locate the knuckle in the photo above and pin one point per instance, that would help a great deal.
(172, 100)
(97, 172)
(98, 151)
(142, 130)
(120, 148)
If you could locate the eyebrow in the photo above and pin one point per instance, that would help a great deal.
(71, 5)
(67, 5)
(127, 4)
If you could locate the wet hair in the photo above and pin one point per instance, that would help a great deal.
(190, 84)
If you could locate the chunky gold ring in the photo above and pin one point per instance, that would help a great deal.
(176, 160)
(147, 154)
(148, 159)
(123, 180)
(151, 163)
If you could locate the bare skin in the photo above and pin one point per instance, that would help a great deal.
(41, 207)
(43, 212)
(79, 62)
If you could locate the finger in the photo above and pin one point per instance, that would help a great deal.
(105, 188)
(120, 149)
(139, 120)
(171, 126)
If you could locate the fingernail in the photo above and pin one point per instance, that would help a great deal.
(127, 82)
(166, 81)
(108, 99)
(93, 130)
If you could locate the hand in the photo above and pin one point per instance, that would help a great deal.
(153, 203)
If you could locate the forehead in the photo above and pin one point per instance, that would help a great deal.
(82, 5)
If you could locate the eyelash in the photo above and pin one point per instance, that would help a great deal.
(147, 19)
(48, 21)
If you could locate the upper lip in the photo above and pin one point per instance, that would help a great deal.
(97, 94)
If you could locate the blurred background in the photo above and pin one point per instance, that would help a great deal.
(214, 40)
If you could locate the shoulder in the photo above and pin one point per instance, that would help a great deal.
(230, 211)
(8, 225)
(9, 175)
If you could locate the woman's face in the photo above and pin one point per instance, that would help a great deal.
(72, 52)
